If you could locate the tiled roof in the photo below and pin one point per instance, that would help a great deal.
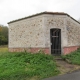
(52, 13)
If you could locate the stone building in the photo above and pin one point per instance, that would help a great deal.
(51, 32)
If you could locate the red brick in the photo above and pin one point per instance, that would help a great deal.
(33, 50)
(68, 50)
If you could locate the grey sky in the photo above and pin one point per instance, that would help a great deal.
(14, 9)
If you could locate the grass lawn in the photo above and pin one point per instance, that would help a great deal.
(73, 58)
(26, 66)
(3, 49)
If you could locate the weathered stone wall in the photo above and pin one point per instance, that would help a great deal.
(55, 21)
(27, 33)
(33, 34)
(73, 32)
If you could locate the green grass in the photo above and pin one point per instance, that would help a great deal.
(26, 66)
(73, 58)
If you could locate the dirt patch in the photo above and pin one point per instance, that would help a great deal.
(65, 67)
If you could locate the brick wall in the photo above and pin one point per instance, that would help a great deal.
(33, 50)
(67, 50)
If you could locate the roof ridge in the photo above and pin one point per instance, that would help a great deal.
(45, 12)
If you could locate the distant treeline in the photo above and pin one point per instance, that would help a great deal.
(3, 35)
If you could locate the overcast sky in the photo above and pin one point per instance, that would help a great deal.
(15, 9)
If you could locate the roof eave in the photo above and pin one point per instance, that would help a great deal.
(53, 13)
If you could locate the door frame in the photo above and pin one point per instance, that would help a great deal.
(60, 39)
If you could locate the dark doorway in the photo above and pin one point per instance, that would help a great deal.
(55, 41)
